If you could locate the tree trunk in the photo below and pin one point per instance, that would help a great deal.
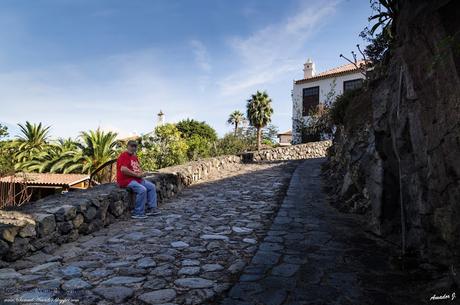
(259, 138)
(236, 128)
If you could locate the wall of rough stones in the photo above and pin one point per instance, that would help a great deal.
(293, 152)
(54, 220)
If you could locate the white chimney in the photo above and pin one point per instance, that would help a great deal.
(308, 69)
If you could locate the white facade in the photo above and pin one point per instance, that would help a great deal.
(330, 83)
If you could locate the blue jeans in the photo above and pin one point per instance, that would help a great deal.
(146, 193)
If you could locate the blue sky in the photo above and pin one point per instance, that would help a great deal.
(82, 64)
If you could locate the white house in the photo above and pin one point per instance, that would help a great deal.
(323, 87)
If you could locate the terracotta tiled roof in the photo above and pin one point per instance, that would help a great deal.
(341, 70)
(286, 133)
(45, 179)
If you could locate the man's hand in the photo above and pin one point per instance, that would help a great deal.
(131, 173)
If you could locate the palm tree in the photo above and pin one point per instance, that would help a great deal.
(49, 159)
(236, 118)
(97, 148)
(259, 112)
(32, 142)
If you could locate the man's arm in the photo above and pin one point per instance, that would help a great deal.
(126, 171)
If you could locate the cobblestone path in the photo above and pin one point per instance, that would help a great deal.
(314, 255)
(189, 254)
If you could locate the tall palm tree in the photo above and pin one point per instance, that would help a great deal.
(259, 112)
(32, 142)
(236, 118)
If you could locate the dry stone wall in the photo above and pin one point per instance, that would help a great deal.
(54, 220)
(293, 152)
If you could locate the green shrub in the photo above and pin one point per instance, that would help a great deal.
(232, 144)
(165, 148)
(339, 107)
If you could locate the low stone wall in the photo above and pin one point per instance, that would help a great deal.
(293, 152)
(54, 220)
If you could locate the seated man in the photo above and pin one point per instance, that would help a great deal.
(130, 175)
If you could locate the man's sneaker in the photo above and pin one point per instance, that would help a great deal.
(138, 216)
(152, 212)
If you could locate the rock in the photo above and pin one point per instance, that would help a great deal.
(90, 213)
(189, 271)
(240, 230)
(122, 280)
(116, 294)
(76, 284)
(286, 270)
(46, 224)
(212, 267)
(179, 244)
(190, 262)
(266, 246)
(133, 257)
(4, 247)
(236, 267)
(9, 273)
(135, 236)
(117, 208)
(154, 283)
(163, 270)
(65, 227)
(158, 297)
(28, 231)
(119, 264)
(53, 284)
(214, 237)
(78, 220)
(194, 283)
(250, 241)
(146, 262)
(99, 273)
(36, 294)
(71, 271)
(45, 267)
(18, 249)
(8, 232)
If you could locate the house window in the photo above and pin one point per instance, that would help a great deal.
(352, 84)
(310, 99)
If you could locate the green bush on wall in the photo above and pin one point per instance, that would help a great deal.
(339, 107)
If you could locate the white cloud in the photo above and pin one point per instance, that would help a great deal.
(276, 50)
(201, 55)
(122, 93)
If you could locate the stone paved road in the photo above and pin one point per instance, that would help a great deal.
(188, 255)
(314, 255)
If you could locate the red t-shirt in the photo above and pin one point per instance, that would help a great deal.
(132, 163)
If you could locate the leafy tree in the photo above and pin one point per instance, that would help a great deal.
(6, 163)
(269, 134)
(231, 144)
(236, 118)
(165, 147)
(199, 136)
(259, 112)
(190, 127)
(3, 131)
